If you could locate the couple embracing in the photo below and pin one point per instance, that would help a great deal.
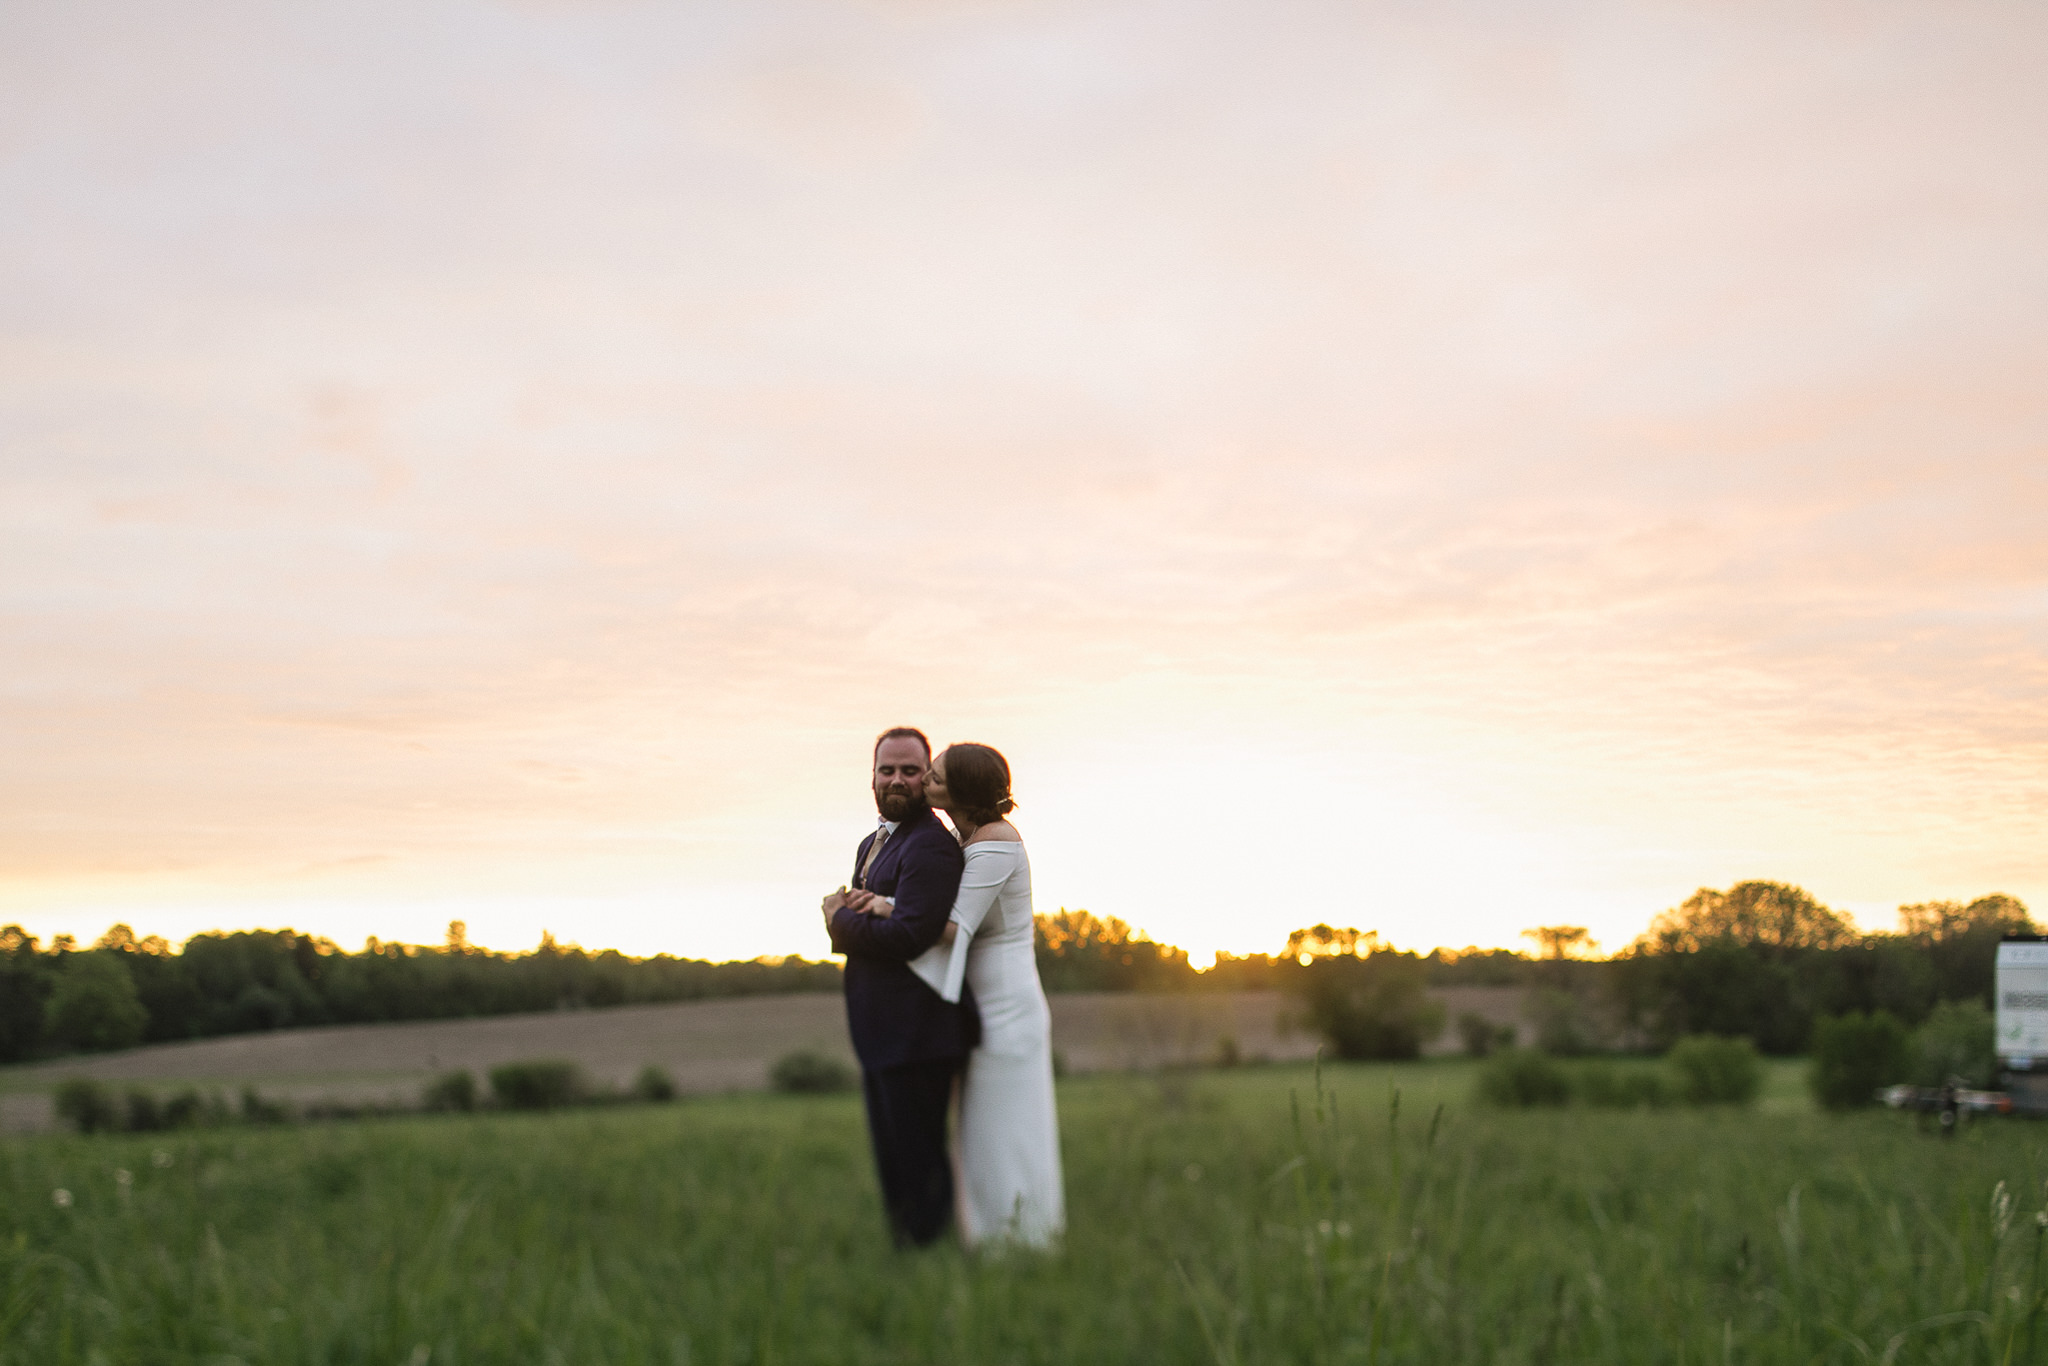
(942, 994)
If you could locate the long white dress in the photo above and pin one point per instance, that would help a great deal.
(1010, 1183)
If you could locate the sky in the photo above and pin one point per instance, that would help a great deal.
(1438, 468)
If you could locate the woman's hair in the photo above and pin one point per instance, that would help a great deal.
(978, 778)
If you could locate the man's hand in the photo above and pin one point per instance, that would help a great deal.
(869, 903)
(832, 902)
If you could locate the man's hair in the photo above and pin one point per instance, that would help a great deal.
(979, 779)
(904, 733)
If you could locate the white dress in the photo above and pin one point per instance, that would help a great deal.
(1010, 1183)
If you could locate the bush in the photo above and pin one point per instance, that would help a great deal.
(87, 1106)
(450, 1091)
(184, 1109)
(653, 1085)
(144, 1114)
(1376, 1007)
(1716, 1071)
(1482, 1036)
(1958, 1040)
(94, 1005)
(258, 1109)
(90, 1107)
(1622, 1087)
(1854, 1055)
(543, 1085)
(1522, 1076)
(1560, 1024)
(804, 1070)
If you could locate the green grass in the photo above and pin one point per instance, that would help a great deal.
(1207, 1224)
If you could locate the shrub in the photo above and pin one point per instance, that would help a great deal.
(1560, 1024)
(1376, 1007)
(1713, 1070)
(450, 1091)
(258, 1109)
(653, 1085)
(144, 1114)
(1522, 1076)
(1622, 1087)
(1482, 1036)
(94, 1005)
(1958, 1040)
(805, 1070)
(184, 1109)
(1854, 1055)
(86, 1106)
(542, 1085)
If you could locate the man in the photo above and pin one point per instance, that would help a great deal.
(911, 1043)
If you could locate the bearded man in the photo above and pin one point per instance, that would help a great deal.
(911, 1042)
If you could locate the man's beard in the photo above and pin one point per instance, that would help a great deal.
(897, 805)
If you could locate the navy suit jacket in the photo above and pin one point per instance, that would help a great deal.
(893, 1016)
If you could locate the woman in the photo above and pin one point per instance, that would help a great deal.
(1010, 1186)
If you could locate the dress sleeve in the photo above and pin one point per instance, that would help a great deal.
(981, 883)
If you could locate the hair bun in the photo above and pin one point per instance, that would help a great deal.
(979, 779)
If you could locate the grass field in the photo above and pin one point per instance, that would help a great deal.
(1215, 1216)
(704, 1046)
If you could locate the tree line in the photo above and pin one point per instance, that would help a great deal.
(1764, 961)
(1761, 960)
(126, 990)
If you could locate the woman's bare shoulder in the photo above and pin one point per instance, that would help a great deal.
(996, 832)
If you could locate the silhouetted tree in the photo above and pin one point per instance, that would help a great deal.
(1747, 961)
(1477, 967)
(1367, 1001)
(1960, 942)
(1770, 917)
(25, 981)
(93, 1005)
(1078, 951)
(1560, 942)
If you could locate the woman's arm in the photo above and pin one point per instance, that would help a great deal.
(882, 906)
(981, 883)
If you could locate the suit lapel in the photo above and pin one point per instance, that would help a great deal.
(882, 877)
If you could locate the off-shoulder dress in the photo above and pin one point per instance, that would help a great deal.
(1010, 1182)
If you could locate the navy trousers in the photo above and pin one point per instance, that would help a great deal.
(907, 1124)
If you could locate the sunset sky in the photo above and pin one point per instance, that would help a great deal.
(1439, 468)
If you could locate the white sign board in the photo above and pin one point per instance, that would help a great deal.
(2022, 992)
